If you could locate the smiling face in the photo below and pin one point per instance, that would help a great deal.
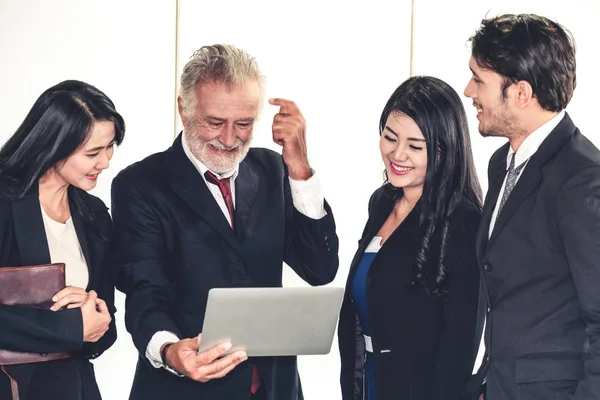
(494, 111)
(220, 132)
(81, 169)
(403, 151)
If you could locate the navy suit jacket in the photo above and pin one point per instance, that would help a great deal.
(422, 343)
(23, 242)
(173, 244)
(541, 272)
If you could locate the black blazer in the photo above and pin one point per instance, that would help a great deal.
(174, 244)
(423, 344)
(541, 269)
(23, 242)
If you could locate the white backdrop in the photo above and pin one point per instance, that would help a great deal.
(442, 29)
(339, 60)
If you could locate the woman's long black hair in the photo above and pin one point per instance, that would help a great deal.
(58, 124)
(439, 113)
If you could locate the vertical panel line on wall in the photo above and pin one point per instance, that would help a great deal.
(412, 35)
(176, 73)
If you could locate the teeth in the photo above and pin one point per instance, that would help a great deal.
(402, 168)
(479, 111)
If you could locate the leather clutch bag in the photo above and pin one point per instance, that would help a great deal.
(30, 286)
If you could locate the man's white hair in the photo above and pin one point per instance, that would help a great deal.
(219, 63)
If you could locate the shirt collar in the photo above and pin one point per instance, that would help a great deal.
(203, 168)
(532, 143)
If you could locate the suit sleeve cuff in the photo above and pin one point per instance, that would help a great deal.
(308, 197)
(153, 349)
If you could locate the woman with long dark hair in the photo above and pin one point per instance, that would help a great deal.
(408, 320)
(46, 216)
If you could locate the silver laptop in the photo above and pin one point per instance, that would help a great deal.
(272, 321)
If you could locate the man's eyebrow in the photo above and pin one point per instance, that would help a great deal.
(475, 74)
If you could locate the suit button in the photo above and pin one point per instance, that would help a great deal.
(487, 267)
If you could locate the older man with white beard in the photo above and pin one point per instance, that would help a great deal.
(211, 212)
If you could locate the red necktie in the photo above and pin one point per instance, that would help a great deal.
(225, 188)
(255, 380)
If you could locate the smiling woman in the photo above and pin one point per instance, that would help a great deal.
(82, 168)
(412, 292)
(402, 147)
(47, 216)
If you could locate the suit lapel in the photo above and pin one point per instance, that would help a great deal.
(248, 186)
(379, 213)
(191, 188)
(532, 174)
(496, 178)
(529, 180)
(86, 243)
(29, 229)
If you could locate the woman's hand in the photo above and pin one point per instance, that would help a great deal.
(96, 318)
(70, 297)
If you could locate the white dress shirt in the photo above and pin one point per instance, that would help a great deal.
(307, 196)
(64, 247)
(530, 145)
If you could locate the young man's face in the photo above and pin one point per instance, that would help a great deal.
(493, 109)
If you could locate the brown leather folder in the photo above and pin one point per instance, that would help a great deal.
(30, 286)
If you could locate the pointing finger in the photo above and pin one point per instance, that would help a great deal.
(286, 106)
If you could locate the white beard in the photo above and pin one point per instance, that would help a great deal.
(218, 163)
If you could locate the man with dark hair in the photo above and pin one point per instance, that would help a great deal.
(538, 243)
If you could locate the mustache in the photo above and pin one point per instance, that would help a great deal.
(220, 146)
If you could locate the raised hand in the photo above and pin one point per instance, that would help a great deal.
(289, 131)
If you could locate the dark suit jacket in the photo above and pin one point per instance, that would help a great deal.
(423, 344)
(541, 268)
(23, 242)
(174, 244)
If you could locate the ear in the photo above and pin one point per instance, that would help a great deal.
(184, 120)
(524, 94)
